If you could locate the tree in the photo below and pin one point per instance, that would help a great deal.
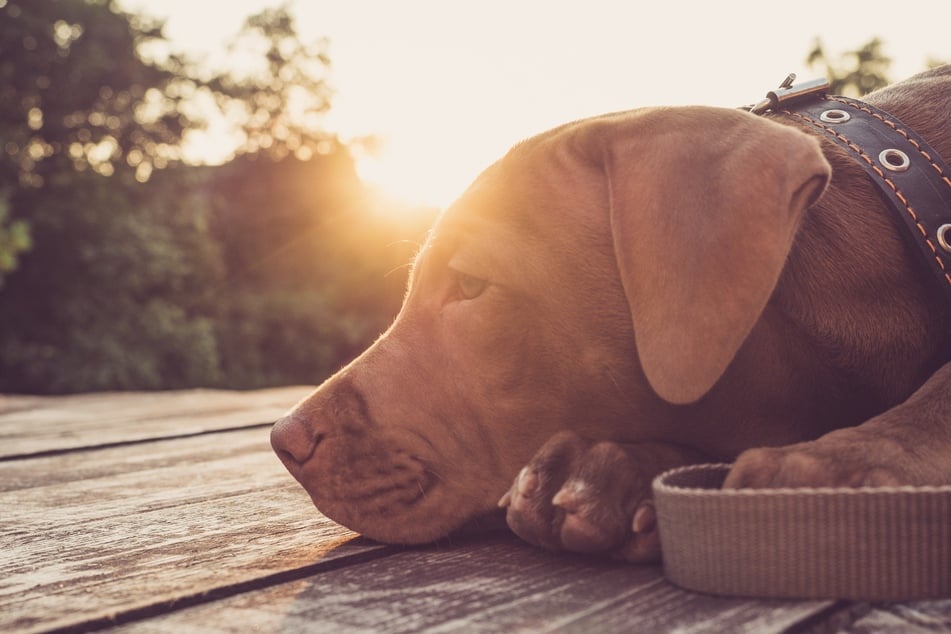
(74, 93)
(934, 62)
(137, 271)
(279, 101)
(103, 297)
(113, 296)
(855, 73)
(14, 238)
(75, 89)
(313, 270)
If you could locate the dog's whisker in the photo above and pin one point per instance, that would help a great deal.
(710, 303)
(405, 265)
(435, 474)
(620, 391)
(403, 242)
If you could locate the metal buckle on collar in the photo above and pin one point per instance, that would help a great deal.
(787, 94)
(909, 174)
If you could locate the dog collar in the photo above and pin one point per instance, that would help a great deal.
(908, 173)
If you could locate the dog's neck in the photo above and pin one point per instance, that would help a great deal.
(908, 173)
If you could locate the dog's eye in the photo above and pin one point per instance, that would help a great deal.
(469, 287)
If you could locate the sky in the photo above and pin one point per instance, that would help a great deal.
(449, 85)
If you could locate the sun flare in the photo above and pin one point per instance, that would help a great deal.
(414, 177)
(450, 93)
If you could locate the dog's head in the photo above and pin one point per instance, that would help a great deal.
(594, 279)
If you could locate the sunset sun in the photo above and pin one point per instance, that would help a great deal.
(417, 176)
(448, 87)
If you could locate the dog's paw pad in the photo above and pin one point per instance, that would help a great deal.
(844, 458)
(642, 544)
(879, 477)
(585, 496)
(579, 532)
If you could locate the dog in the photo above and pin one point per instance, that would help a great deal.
(635, 292)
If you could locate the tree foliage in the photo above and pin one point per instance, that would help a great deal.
(73, 89)
(123, 267)
(14, 238)
(856, 72)
(283, 92)
(74, 95)
(128, 269)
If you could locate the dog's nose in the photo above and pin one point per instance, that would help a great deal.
(293, 441)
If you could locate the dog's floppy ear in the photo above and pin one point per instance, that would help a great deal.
(704, 203)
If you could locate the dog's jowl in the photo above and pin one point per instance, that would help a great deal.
(633, 292)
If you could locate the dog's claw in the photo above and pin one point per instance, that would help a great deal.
(585, 496)
(527, 482)
(570, 495)
(645, 518)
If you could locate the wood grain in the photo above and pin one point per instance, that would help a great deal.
(93, 534)
(918, 617)
(37, 425)
(168, 512)
(497, 585)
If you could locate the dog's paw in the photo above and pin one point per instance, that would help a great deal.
(584, 496)
(845, 458)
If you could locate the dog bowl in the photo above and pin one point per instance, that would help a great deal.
(869, 544)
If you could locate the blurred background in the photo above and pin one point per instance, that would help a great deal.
(228, 194)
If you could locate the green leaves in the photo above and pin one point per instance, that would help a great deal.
(855, 73)
(121, 267)
(281, 95)
(14, 239)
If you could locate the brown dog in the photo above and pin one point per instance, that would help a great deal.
(633, 292)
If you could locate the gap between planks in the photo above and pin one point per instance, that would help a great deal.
(168, 606)
(47, 453)
(31, 426)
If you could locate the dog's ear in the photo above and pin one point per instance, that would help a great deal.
(704, 204)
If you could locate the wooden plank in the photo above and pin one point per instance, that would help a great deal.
(88, 535)
(917, 617)
(37, 425)
(488, 585)
(209, 533)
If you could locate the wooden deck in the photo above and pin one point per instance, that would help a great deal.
(167, 512)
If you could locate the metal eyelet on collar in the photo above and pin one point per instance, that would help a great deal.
(884, 147)
(944, 237)
(835, 116)
(894, 160)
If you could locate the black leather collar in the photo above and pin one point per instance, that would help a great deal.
(908, 173)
